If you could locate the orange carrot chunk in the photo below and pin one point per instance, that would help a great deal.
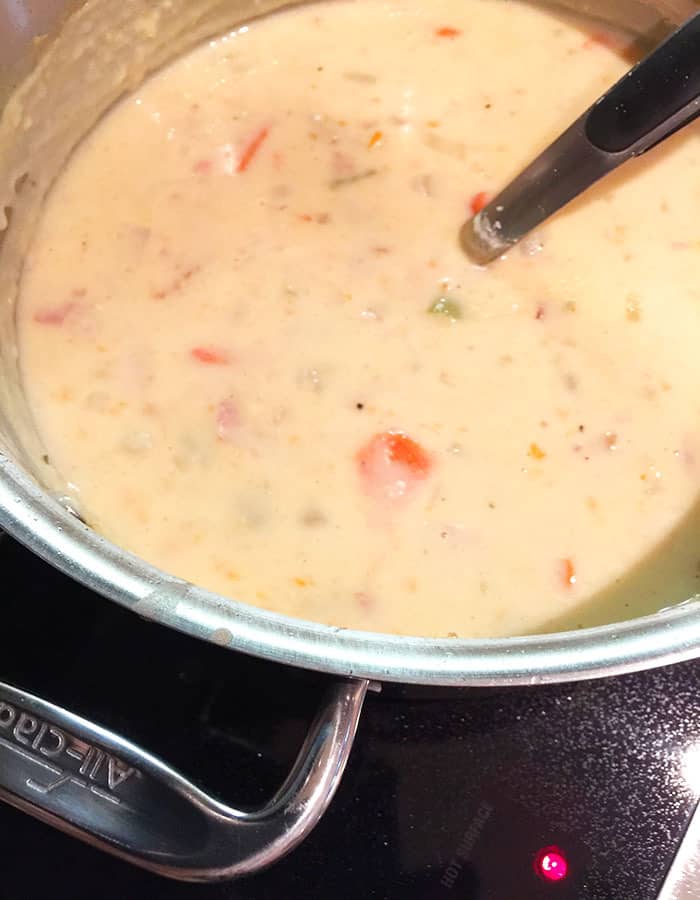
(447, 32)
(402, 449)
(211, 356)
(567, 573)
(251, 149)
(605, 39)
(478, 202)
(392, 464)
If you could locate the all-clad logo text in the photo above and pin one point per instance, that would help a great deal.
(62, 758)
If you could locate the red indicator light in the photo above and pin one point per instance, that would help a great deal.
(551, 864)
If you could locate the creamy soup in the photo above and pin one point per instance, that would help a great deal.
(260, 360)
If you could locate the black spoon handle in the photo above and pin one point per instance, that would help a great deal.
(653, 100)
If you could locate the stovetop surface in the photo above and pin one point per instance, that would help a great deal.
(448, 793)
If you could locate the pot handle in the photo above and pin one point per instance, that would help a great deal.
(106, 791)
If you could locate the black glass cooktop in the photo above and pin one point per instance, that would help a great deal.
(570, 792)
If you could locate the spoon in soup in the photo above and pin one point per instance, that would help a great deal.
(656, 98)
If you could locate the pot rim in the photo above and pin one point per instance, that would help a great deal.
(39, 522)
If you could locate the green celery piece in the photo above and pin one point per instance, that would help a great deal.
(447, 307)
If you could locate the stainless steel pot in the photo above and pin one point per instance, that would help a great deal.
(70, 772)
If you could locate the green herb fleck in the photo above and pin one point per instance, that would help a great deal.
(352, 179)
(446, 306)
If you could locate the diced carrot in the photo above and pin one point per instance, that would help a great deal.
(55, 315)
(605, 39)
(211, 356)
(251, 148)
(478, 202)
(376, 138)
(320, 218)
(228, 419)
(611, 440)
(567, 573)
(392, 464)
(402, 449)
(447, 32)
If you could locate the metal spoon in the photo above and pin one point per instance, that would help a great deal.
(656, 98)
